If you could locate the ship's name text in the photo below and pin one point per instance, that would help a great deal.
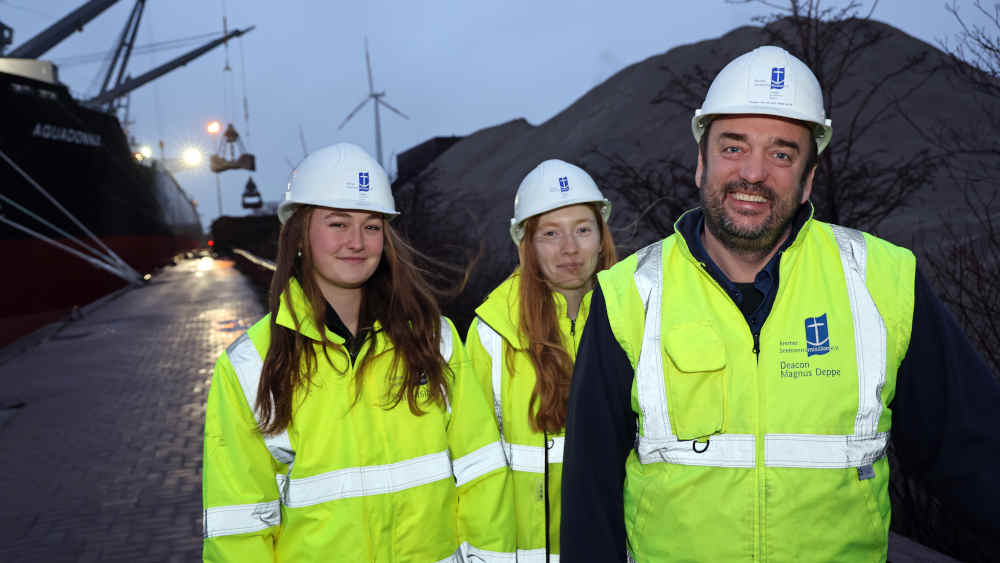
(65, 134)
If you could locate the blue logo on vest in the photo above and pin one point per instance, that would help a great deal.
(363, 182)
(817, 336)
(564, 184)
(777, 78)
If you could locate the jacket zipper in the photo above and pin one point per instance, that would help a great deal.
(759, 507)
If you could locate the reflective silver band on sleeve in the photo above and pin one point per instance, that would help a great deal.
(478, 463)
(240, 519)
(248, 365)
(368, 480)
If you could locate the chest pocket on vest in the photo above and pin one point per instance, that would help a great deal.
(695, 373)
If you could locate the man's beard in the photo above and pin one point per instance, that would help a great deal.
(757, 239)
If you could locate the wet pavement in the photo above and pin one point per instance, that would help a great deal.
(101, 421)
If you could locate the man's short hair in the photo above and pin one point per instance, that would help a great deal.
(812, 157)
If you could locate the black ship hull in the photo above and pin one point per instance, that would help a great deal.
(82, 158)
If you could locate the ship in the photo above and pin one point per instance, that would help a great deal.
(82, 214)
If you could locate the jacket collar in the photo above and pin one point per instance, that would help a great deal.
(308, 327)
(502, 310)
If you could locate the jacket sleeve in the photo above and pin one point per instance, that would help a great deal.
(486, 524)
(945, 417)
(600, 429)
(241, 515)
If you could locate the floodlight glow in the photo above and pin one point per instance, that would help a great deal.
(213, 127)
(146, 151)
(191, 156)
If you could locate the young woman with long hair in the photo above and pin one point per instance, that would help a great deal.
(525, 336)
(347, 425)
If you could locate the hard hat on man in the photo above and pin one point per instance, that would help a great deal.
(343, 176)
(766, 81)
(551, 185)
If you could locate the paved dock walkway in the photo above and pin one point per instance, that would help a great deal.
(103, 461)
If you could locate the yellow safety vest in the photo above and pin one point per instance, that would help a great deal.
(776, 455)
(352, 481)
(494, 333)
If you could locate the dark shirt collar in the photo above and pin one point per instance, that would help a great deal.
(754, 300)
(336, 325)
(691, 224)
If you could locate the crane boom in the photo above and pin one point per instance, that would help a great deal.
(133, 83)
(55, 33)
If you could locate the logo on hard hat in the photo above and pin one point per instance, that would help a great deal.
(363, 182)
(564, 184)
(777, 78)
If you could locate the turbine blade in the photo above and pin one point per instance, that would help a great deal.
(386, 104)
(356, 110)
(368, 64)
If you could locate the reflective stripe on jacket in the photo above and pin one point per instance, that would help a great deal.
(494, 334)
(766, 447)
(352, 481)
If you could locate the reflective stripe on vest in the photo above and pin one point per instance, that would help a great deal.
(368, 480)
(478, 463)
(520, 457)
(334, 485)
(657, 442)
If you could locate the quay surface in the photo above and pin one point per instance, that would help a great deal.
(101, 420)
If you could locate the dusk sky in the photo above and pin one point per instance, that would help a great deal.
(452, 67)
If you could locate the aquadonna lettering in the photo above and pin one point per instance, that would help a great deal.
(817, 336)
(363, 184)
(66, 135)
(777, 78)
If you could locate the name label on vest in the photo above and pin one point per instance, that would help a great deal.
(795, 370)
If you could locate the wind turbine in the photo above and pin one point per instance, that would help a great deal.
(377, 96)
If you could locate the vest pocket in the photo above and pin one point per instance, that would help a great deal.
(695, 373)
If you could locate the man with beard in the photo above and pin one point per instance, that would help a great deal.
(736, 382)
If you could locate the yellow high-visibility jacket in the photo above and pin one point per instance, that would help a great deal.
(352, 480)
(770, 446)
(493, 336)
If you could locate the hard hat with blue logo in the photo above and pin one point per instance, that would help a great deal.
(551, 185)
(342, 176)
(766, 81)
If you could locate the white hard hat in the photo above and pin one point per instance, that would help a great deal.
(342, 176)
(553, 184)
(766, 81)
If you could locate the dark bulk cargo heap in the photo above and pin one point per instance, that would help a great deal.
(80, 214)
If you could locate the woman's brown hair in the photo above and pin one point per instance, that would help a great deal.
(397, 295)
(553, 364)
